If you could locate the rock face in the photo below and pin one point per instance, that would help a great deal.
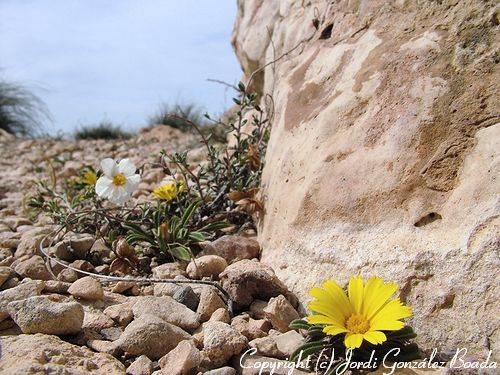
(384, 152)
(44, 354)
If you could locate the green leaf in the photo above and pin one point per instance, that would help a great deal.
(299, 324)
(196, 236)
(216, 225)
(241, 86)
(189, 213)
(181, 253)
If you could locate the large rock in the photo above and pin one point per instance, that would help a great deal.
(384, 152)
(233, 248)
(181, 360)
(40, 314)
(151, 336)
(206, 266)
(87, 288)
(46, 354)
(34, 268)
(167, 309)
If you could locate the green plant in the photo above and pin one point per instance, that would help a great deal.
(104, 130)
(178, 116)
(228, 184)
(21, 111)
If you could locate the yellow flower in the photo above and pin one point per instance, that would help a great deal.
(89, 178)
(167, 192)
(361, 316)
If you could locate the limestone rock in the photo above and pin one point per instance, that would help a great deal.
(221, 315)
(249, 279)
(383, 158)
(167, 309)
(221, 371)
(221, 342)
(182, 359)
(120, 313)
(5, 274)
(47, 354)
(288, 342)
(30, 241)
(42, 315)
(87, 288)
(206, 266)
(151, 336)
(187, 296)
(80, 245)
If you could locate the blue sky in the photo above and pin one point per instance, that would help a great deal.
(118, 59)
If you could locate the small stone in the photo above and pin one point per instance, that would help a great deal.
(120, 313)
(55, 286)
(141, 366)
(30, 241)
(87, 288)
(83, 265)
(103, 346)
(24, 290)
(233, 248)
(258, 328)
(42, 315)
(288, 342)
(280, 313)
(206, 266)
(9, 240)
(5, 274)
(166, 289)
(67, 275)
(168, 271)
(151, 336)
(266, 346)
(81, 245)
(221, 371)
(96, 320)
(167, 309)
(210, 301)
(221, 342)
(187, 296)
(111, 333)
(247, 280)
(62, 250)
(220, 315)
(240, 323)
(34, 268)
(257, 309)
(122, 286)
(182, 359)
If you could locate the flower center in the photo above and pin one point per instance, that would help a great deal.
(357, 324)
(119, 179)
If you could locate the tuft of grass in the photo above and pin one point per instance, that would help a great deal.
(21, 112)
(103, 130)
(178, 116)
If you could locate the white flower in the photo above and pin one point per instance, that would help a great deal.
(118, 182)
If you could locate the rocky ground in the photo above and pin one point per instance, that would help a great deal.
(67, 322)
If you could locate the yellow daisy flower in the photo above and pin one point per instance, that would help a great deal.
(167, 192)
(89, 178)
(362, 315)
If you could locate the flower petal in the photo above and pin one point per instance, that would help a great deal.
(353, 340)
(335, 306)
(132, 183)
(394, 310)
(322, 319)
(109, 167)
(376, 295)
(356, 293)
(326, 310)
(387, 325)
(338, 294)
(375, 337)
(126, 167)
(103, 186)
(334, 330)
(119, 195)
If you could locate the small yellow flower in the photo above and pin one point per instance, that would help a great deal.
(361, 316)
(89, 178)
(167, 192)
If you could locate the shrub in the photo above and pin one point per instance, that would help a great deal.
(178, 116)
(104, 130)
(21, 111)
